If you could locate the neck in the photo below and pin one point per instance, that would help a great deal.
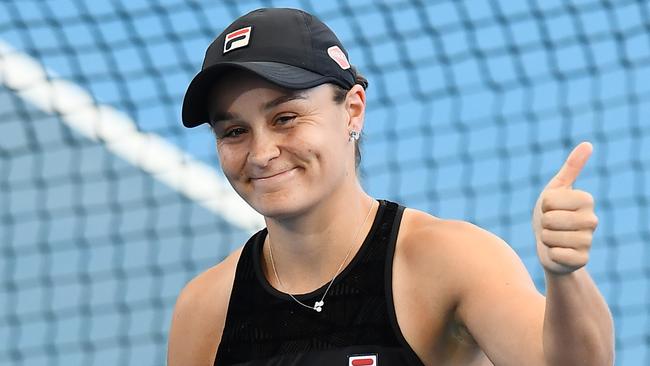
(309, 249)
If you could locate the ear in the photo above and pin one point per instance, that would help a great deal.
(355, 106)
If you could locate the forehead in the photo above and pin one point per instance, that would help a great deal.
(254, 92)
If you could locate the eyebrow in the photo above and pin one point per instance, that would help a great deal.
(219, 116)
(222, 116)
(293, 95)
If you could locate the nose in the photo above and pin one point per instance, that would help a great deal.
(263, 149)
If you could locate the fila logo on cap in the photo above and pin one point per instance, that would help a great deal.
(364, 360)
(237, 39)
(339, 57)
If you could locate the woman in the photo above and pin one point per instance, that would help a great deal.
(340, 278)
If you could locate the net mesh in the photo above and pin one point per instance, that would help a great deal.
(472, 107)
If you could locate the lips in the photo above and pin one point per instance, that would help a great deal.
(273, 177)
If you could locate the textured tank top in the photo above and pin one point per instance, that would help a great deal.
(357, 325)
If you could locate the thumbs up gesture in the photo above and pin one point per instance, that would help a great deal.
(563, 218)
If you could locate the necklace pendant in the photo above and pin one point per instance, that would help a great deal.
(318, 306)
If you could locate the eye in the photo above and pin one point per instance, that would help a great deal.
(285, 119)
(233, 132)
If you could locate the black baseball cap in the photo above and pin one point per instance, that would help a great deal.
(287, 47)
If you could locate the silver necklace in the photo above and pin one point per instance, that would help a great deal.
(318, 305)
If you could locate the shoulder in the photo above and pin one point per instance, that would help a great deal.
(209, 291)
(199, 314)
(461, 271)
(420, 225)
(422, 233)
(457, 251)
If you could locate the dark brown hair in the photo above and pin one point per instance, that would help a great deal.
(339, 97)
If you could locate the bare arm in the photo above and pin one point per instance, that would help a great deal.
(572, 325)
(498, 302)
(199, 316)
(578, 327)
(511, 321)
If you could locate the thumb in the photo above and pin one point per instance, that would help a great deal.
(572, 166)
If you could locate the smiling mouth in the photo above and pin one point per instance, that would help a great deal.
(273, 176)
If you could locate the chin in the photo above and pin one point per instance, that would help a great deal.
(278, 208)
(291, 196)
(279, 205)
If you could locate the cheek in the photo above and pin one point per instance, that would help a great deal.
(320, 148)
(303, 149)
(230, 159)
(308, 144)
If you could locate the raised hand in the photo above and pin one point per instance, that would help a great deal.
(563, 218)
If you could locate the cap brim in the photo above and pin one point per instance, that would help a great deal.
(195, 111)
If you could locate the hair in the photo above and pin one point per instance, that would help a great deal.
(339, 97)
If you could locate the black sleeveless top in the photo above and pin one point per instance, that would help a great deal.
(357, 325)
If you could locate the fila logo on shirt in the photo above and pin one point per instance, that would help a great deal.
(237, 39)
(363, 360)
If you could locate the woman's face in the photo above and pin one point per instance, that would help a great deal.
(282, 150)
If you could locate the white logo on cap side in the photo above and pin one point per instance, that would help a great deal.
(237, 39)
(339, 57)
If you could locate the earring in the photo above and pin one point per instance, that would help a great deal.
(354, 135)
